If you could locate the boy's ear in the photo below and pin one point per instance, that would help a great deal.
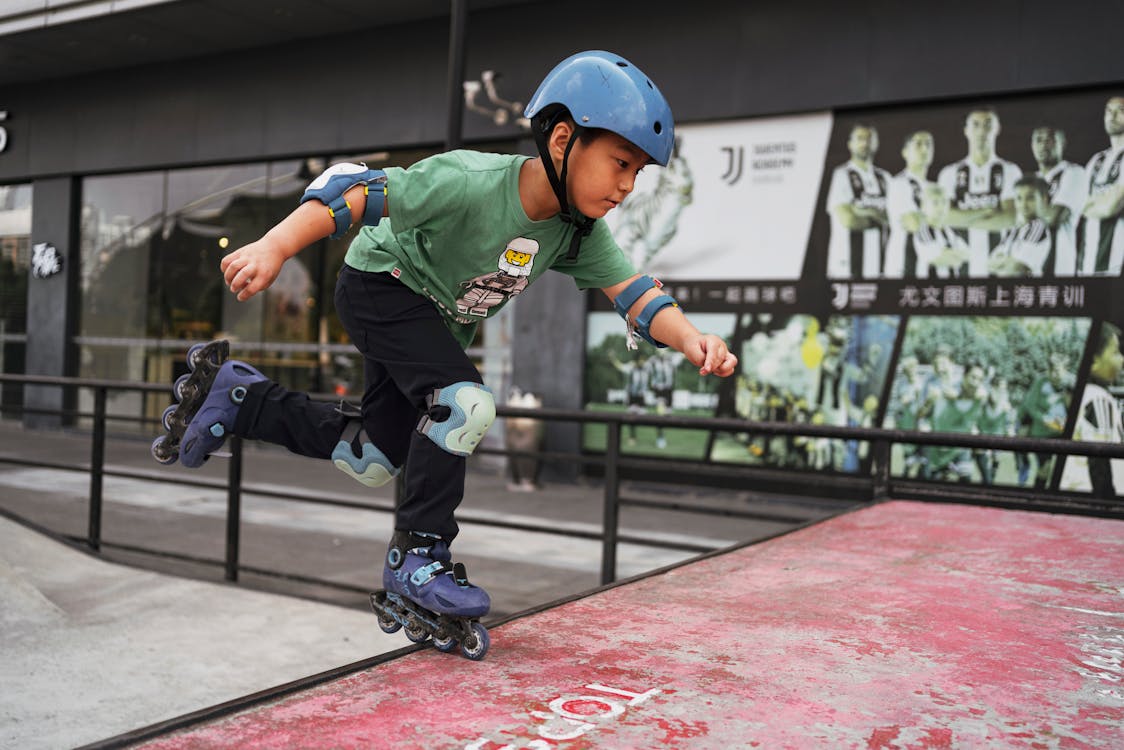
(559, 139)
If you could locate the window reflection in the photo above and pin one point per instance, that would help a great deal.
(15, 260)
(151, 244)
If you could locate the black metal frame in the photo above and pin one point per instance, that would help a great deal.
(877, 487)
(616, 468)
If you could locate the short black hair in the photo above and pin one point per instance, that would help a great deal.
(909, 137)
(1057, 132)
(987, 109)
(1104, 337)
(862, 126)
(1033, 181)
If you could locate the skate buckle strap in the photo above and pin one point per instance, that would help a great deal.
(427, 573)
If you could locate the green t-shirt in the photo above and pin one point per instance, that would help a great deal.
(457, 234)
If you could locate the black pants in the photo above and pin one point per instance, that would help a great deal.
(408, 352)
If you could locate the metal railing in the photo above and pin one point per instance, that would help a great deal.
(614, 465)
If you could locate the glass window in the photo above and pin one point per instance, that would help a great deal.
(151, 244)
(15, 261)
(207, 211)
(122, 217)
(278, 328)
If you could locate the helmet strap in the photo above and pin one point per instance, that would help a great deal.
(581, 224)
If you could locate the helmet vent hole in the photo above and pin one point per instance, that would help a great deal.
(658, 127)
(649, 83)
(622, 64)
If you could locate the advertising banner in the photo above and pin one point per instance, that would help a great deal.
(953, 267)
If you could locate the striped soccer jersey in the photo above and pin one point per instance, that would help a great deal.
(856, 254)
(1066, 181)
(1098, 420)
(970, 187)
(1032, 245)
(930, 243)
(901, 254)
(1100, 242)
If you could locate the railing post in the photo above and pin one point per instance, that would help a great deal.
(97, 469)
(611, 520)
(233, 508)
(881, 486)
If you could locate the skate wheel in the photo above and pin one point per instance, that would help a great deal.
(445, 645)
(166, 417)
(179, 388)
(476, 645)
(161, 451)
(416, 634)
(388, 624)
(195, 356)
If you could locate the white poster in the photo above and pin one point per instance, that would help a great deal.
(735, 202)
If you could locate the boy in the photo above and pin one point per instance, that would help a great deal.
(940, 251)
(445, 244)
(1028, 249)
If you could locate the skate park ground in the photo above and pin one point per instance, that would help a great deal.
(93, 647)
(900, 625)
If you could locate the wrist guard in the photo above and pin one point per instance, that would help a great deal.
(641, 326)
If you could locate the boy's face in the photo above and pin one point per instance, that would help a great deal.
(1108, 362)
(934, 202)
(1028, 203)
(973, 379)
(602, 173)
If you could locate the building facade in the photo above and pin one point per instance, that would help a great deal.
(140, 145)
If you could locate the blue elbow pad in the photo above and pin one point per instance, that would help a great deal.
(642, 325)
(336, 180)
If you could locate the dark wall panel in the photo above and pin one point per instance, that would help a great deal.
(52, 301)
(719, 60)
(971, 48)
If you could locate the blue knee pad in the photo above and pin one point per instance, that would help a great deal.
(472, 409)
(372, 468)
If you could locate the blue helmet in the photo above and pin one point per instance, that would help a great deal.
(603, 90)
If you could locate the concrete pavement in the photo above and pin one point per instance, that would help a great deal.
(92, 649)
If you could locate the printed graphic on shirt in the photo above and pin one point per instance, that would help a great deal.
(483, 293)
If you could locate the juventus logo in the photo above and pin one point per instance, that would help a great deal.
(735, 162)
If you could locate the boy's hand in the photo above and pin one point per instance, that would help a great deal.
(251, 269)
(711, 355)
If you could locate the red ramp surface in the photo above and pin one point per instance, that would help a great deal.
(903, 625)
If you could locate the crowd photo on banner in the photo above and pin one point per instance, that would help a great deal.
(942, 267)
